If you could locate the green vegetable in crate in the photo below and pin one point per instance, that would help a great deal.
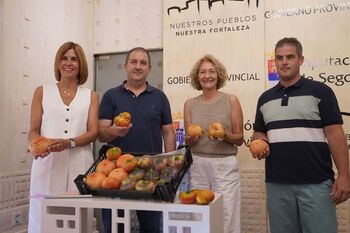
(162, 181)
(165, 174)
(151, 174)
(128, 184)
(176, 161)
(145, 162)
(169, 173)
(159, 163)
(145, 186)
(137, 173)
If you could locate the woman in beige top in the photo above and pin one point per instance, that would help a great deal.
(215, 165)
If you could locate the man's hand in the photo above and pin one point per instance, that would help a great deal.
(341, 189)
(262, 155)
(119, 131)
(259, 148)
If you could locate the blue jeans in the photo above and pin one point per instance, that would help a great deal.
(149, 221)
(301, 208)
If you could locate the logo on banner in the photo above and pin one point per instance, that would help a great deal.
(308, 10)
(179, 127)
(215, 25)
(210, 3)
(272, 70)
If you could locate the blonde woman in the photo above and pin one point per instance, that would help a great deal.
(215, 165)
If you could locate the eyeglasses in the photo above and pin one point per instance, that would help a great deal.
(207, 72)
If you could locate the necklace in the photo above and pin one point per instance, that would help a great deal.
(68, 92)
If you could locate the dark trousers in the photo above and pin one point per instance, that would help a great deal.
(149, 221)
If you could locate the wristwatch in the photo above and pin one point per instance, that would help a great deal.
(72, 143)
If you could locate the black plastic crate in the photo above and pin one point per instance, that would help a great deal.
(165, 192)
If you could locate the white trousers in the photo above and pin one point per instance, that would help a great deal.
(222, 176)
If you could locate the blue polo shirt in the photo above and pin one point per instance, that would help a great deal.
(293, 119)
(149, 111)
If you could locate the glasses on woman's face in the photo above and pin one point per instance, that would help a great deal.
(210, 72)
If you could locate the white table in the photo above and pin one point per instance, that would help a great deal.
(69, 215)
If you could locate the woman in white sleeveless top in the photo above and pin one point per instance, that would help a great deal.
(67, 114)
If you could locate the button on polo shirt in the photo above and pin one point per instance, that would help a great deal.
(285, 97)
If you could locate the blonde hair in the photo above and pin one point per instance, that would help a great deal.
(219, 68)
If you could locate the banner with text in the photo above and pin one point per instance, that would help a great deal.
(242, 35)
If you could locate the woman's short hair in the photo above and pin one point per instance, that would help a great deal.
(83, 67)
(219, 68)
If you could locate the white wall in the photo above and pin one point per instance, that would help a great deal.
(123, 24)
(31, 32)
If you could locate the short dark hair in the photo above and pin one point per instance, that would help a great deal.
(291, 41)
(83, 67)
(138, 49)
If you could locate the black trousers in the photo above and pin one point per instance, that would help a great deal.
(149, 221)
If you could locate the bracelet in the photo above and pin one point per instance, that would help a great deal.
(72, 143)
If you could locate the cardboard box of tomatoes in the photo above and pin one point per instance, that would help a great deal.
(134, 175)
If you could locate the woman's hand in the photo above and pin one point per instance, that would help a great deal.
(39, 147)
(191, 140)
(36, 156)
(58, 145)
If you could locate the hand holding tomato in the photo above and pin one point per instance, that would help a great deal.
(259, 148)
(216, 131)
(58, 145)
(118, 131)
(193, 133)
(39, 147)
(123, 119)
(191, 141)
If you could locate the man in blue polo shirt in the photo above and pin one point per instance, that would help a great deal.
(301, 120)
(151, 122)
